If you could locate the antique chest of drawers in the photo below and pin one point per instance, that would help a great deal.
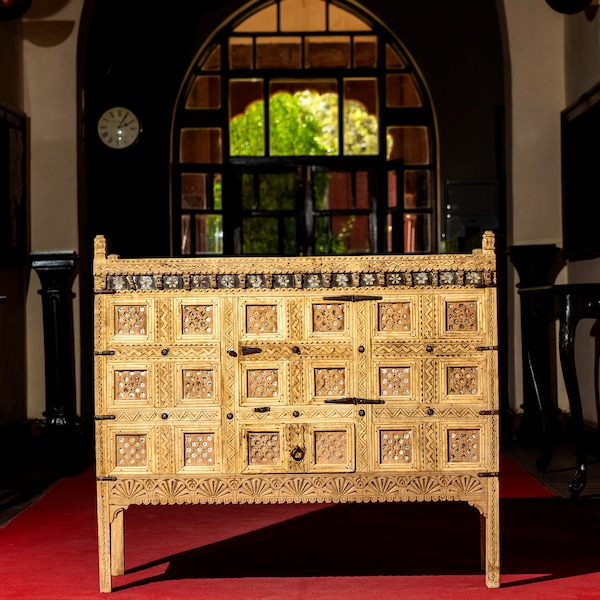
(304, 379)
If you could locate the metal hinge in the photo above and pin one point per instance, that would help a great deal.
(105, 291)
(104, 417)
(481, 348)
(489, 412)
(489, 474)
(352, 298)
(104, 353)
(353, 401)
(100, 478)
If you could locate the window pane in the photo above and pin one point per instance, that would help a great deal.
(392, 189)
(240, 53)
(360, 117)
(260, 235)
(350, 234)
(308, 15)
(205, 93)
(193, 190)
(417, 233)
(392, 60)
(278, 53)
(303, 122)
(341, 20)
(264, 20)
(346, 191)
(209, 234)
(202, 145)
(186, 241)
(277, 191)
(247, 114)
(289, 240)
(410, 144)
(213, 62)
(365, 52)
(327, 52)
(417, 189)
(401, 91)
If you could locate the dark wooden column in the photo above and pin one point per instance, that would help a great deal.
(56, 271)
(537, 266)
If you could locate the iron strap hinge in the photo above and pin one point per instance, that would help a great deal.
(100, 478)
(353, 401)
(489, 474)
(105, 291)
(352, 298)
(482, 348)
(104, 417)
(489, 412)
(104, 353)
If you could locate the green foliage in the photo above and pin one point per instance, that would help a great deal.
(303, 124)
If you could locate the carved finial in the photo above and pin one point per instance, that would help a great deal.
(99, 247)
(488, 243)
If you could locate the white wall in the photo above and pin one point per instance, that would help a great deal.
(537, 95)
(50, 53)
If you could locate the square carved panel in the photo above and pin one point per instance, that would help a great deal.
(131, 385)
(262, 383)
(264, 448)
(331, 447)
(198, 384)
(197, 319)
(463, 381)
(199, 449)
(131, 320)
(328, 318)
(464, 445)
(394, 381)
(394, 317)
(330, 382)
(261, 319)
(396, 446)
(461, 316)
(131, 450)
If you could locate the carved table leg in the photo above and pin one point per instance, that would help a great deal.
(567, 361)
(117, 543)
(104, 537)
(492, 536)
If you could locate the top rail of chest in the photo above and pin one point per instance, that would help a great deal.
(338, 275)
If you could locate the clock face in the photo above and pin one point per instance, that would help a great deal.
(118, 127)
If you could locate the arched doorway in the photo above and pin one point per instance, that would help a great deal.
(303, 128)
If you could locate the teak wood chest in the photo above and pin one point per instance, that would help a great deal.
(304, 379)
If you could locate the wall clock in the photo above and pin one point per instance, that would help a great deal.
(119, 127)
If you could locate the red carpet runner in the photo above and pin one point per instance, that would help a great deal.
(304, 552)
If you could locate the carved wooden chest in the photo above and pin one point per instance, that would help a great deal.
(305, 379)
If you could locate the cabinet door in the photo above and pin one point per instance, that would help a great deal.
(293, 354)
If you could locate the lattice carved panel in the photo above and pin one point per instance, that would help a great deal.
(262, 383)
(394, 317)
(131, 320)
(395, 382)
(199, 449)
(461, 316)
(330, 382)
(264, 448)
(131, 450)
(131, 385)
(261, 319)
(197, 319)
(396, 447)
(462, 381)
(331, 447)
(198, 384)
(464, 445)
(328, 318)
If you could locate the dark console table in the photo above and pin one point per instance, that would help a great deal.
(567, 304)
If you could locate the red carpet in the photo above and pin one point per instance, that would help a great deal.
(295, 552)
